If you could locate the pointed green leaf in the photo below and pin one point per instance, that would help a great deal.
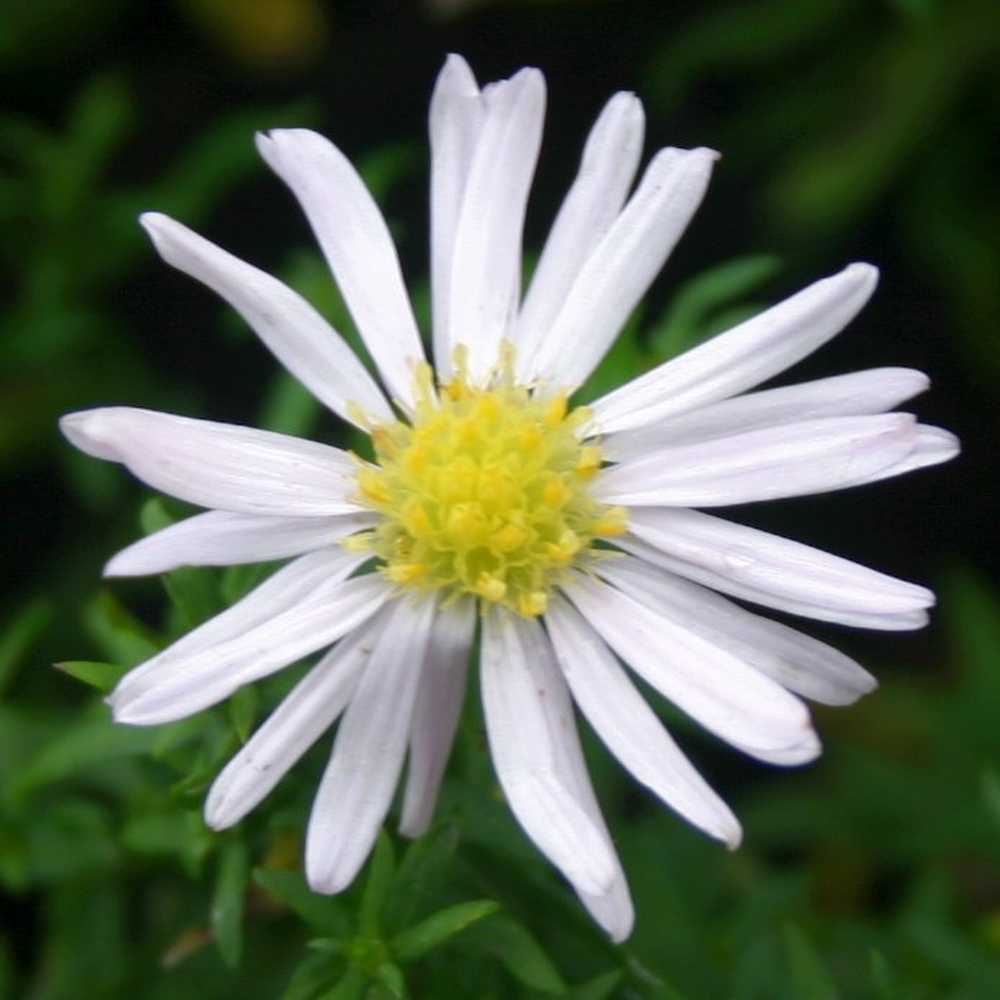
(502, 937)
(351, 987)
(242, 708)
(600, 987)
(390, 977)
(103, 676)
(312, 975)
(381, 869)
(415, 942)
(228, 902)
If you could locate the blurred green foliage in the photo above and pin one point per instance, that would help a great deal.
(874, 874)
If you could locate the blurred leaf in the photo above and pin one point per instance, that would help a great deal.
(390, 977)
(91, 739)
(325, 913)
(103, 676)
(426, 865)
(599, 988)
(381, 869)
(229, 900)
(19, 635)
(415, 942)
(351, 987)
(687, 320)
(503, 938)
(289, 407)
(313, 974)
(807, 974)
(121, 636)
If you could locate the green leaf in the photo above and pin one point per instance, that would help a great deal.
(103, 676)
(391, 978)
(91, 739)
(311, 975)
(238, 581)
(381, 869)
(19, 634)
(228, 902)
(193, 590)
(600, 987)
(121, 636)
(242, 708)
(425, 867)
(415, 942)
(289, 408)
(807, 974)
(687, 321)
(351, 987)
(502, 937)
(881, 976)
(325, 913)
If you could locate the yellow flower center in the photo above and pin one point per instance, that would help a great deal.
(485, 492)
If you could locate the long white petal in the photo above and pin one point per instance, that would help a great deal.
(796, 661)
(456, 120)
(611, 909)
(903, 621)
(527, 757)
(357, 245)
(729, 698)
(742, 357)
(223, 538)
(629, 727)
(857, 394)
(311, 707)
(285, 589)
(219, 465)
(814, 456)
(298, 336)
(188, 683)
(774, 564)
(607, 168)
(934, 445)
(485, 279)
(622, 266)
(359, 781)
(436, 712)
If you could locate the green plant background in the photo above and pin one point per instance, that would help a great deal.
(852, 129)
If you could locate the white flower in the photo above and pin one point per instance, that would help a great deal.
(570, 532)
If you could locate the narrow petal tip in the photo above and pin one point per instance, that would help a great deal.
(89, 431)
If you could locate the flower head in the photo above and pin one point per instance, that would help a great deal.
(570, 533)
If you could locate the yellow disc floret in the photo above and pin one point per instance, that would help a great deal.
(484, 492)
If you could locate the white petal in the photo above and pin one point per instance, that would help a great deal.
(219, 465)
(283, 590)
(629, 727)
(727, 585)
(486, 270)
(611, 909)
(610, 158)
(774, 564)
(528, 756)
(456, 119)
(814, 456)
(934, 445)
(742, 357)
(796, 661)
(223, 538)
(720, 691)
(867, 392)
(294, 331)
(622, 266)
(359, 781)
(188, 682)
(357, 245)
(435, 715)
(311, 707)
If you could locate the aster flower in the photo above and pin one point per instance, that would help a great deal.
(571, 534)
